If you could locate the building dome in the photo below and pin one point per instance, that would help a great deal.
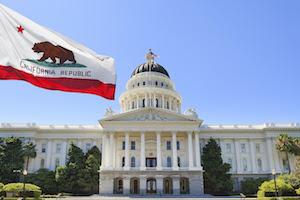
(150, 67)
(150, 86)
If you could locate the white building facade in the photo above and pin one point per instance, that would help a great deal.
(151, 147)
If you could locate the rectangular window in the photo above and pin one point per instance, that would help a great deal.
(168, 145)
(178, 145)
(44, 146)
(257, 148)
(169, 162)
(243, 148)
(132, 145)
(228, 148)
(58, 147)
(245, 164)
(123, 145)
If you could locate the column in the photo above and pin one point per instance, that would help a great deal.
(159, 184)
(104, 151)
(190, 146)
(174, 149)
(126, 151)
(154, 101)
(49, 153)
(111, 149)
(142, 156)
(79, 144)
(176, 184)
(158, 151)
(126, 185)
(276, 156)
(163, 101)
(143, 184)
(95, 142)
(197, 151)
(270, 154)
(138, 102)
(237, 156)
(253, 157)
(64, 152)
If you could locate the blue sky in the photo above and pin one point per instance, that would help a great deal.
(234, 61)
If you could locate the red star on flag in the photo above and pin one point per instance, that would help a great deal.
(20, 29)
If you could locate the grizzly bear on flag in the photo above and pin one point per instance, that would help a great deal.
(53, 52)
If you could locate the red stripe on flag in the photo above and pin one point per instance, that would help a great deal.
(65, 84)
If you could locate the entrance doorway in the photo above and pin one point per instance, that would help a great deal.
(150, 162)
(168, 185)
(134, 186)
(151, 186)
(184, 186)
(118, 186)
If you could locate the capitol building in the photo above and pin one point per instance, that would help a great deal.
(152, 146)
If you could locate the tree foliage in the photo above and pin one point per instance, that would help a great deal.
(11, 159)
(217, 180)
(250, 186)
(29, 152)
(283, 188)
(45, 179)
(80, 175)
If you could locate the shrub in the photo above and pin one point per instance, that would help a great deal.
(291, 179)
(283, 188)
(17, 188)
(1, 187)
(298, 191)
(250, 186)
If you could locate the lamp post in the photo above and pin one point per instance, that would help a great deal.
(24, 189)
(274, 177)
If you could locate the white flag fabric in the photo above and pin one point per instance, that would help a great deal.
(46, 59)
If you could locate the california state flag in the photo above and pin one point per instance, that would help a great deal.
(33, 53)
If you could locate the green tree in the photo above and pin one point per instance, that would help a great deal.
(71, 177)
(92, 174)
(11, 159)
(217, 180)
(95, 152)
(29, 152)
(283, 144)
(45, 179)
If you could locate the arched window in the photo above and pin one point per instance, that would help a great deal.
(259, 164)
(132, 162)
(162, 84)
(169, 162)
(42, 163)
(156, 103)
(178, 161)
(57, 162)
(168, 107)
(123, 161)
(144, 83)
(132, 105)
(138, 84)
(245, 167)
(156, 83)
(144, 103)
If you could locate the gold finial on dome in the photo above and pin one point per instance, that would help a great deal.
(150, 56)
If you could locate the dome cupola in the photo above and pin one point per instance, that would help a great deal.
(150, 86)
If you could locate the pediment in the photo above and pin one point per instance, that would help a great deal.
(150, 114)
